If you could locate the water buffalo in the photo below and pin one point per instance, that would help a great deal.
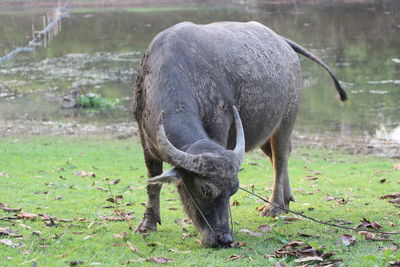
(200, 92)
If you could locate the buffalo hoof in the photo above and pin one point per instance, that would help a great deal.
(146, 226)
(271, 211)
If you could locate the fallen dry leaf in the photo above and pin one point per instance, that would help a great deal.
(186, 235)
(119, 245)
(247, 231)
(330, 198)
(48, 220)
(77, 232)
(373, 237)
(278, 264)
(102, 188)
(264, 228)
(235, 257)
(120, 235)
(159, 260)
(62, 255)
(184, 223)
(305, 235)
(85, 174)
(116, 181)
(396, 167)
(311, 178)
(394, 195)
(42, 192)
(38, 233)
(9, 232)
(395, 201)
(109, 207)
(118, 219)
(75, 263)
(290, 218)
(123, 213)
(367, 224)
(238, 244)
(26, 215)
(289, 249)
(132, 247)
(235, 203)
(7, 242)
(180, 251)
(307, 251)
(342, 201)
(314, 172)
(309, 259)
(7, 209)
(4, 174)
(115, 199)
(294, 244)
(24, 226)
(346, 240)
(89, 236)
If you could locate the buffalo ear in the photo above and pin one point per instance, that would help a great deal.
(169, 176)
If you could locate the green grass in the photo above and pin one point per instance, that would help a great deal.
(38, 165)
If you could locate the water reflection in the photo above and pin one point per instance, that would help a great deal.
(102, 50)
(388, 134)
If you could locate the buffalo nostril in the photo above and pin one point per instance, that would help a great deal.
(225, 239)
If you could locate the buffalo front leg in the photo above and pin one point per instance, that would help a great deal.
(152, 212)
(278, 149)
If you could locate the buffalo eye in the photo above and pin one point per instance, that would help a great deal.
(209, 191)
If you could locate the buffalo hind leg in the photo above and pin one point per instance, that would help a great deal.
(152, 213)
(278, 148)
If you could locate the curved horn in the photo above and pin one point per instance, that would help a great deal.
(169, 176)
(174, 155)
(206, 163)
(240, 140)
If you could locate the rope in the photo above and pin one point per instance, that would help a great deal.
(198, 208)
(319, 221)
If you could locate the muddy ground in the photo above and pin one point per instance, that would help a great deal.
(351, 145)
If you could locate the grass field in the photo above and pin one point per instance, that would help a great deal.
(52, 177)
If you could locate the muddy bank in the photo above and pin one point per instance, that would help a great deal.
(52, 128)
(351, 145)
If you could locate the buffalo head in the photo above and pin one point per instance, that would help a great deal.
(206, 175)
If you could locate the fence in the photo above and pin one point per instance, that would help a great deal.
(51, 28)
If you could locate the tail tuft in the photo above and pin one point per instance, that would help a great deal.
(341, 91)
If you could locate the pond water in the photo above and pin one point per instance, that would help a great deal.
(100, 49)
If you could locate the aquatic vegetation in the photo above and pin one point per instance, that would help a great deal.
(95, 101)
